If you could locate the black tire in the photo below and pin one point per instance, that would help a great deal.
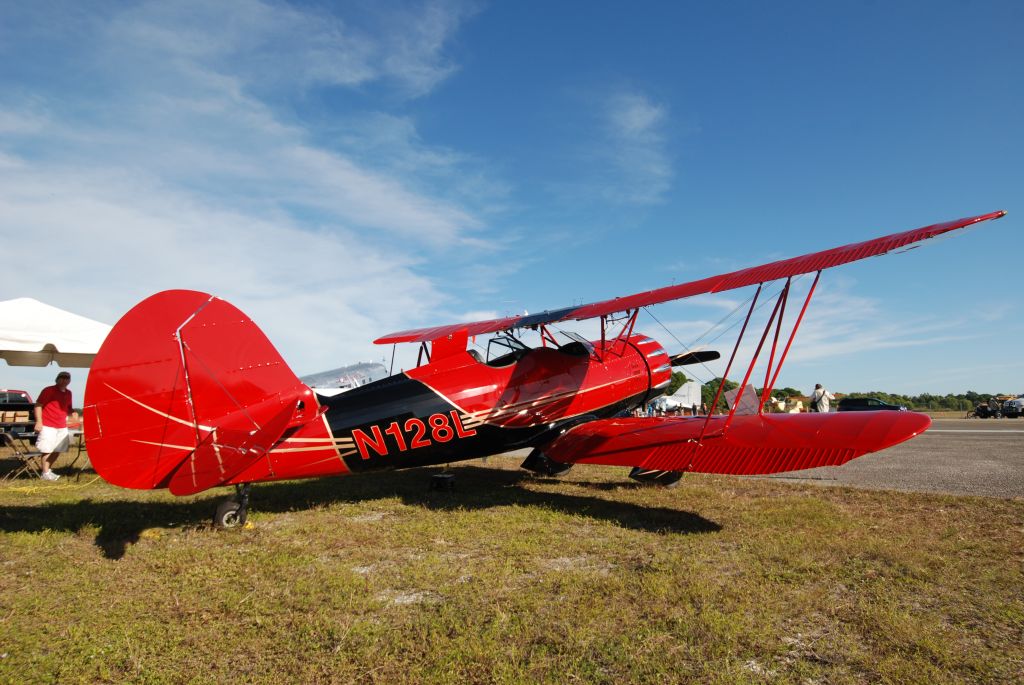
(229, 515)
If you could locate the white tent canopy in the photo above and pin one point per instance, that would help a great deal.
(35, 334)
(686, 397)
(688, 394)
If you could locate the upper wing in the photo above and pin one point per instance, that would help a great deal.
(815, 261)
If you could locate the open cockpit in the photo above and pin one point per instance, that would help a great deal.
(504, 350)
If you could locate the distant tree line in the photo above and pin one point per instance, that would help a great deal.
(926, 401)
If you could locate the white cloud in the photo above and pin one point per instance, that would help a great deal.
(20, 122)
(416, 57)
(478, 315)
(620, 152)
(846, 331)
(393, 144)
(635, 140)
(275, 44)
(178, 167)
(117, 239)
(634, 117)
(176, 111)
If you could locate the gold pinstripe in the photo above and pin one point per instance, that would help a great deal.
(158, 412)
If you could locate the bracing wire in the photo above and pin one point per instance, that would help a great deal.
(715, 325)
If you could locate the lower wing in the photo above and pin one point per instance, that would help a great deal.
(750, 445)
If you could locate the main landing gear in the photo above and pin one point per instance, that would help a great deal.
(233, 512)
(542, 465)
(668, 479)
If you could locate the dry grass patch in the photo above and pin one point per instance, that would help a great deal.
(512, 579)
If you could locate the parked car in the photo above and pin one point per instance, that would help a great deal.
(867, 404)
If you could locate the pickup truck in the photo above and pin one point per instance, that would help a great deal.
(16, 411)
(1014, 408)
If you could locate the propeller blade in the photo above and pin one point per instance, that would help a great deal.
(698, 357)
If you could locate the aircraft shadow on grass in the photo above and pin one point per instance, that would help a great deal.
(121, 522)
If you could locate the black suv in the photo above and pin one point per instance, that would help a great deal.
(867, 404)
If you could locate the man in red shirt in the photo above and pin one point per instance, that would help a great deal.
(53, 406)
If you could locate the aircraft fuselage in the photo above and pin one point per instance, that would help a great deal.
(461, 408)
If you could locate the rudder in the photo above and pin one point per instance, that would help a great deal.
(178, 369)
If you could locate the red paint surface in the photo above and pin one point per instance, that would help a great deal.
(179, 364)
(546, 385)
(755, 444)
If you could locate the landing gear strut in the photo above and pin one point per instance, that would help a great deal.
(233, 512)
(543, 465)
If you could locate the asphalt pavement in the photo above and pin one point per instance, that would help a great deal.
(956, 456)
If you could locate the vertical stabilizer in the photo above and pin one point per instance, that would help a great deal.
(186, 392)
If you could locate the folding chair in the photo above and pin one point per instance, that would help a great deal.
(28, 460)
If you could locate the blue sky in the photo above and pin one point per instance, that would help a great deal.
(343, 170)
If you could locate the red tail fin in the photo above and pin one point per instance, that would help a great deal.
(186, 392)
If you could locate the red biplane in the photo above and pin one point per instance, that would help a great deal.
(187, 393)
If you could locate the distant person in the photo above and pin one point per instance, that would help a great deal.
(820, 399)
(53, 407)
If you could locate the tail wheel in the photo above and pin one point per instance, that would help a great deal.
(230, 514)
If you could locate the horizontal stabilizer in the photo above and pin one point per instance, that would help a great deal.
(225, 453)
(755, 444)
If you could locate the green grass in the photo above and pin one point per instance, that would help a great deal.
(510, 579)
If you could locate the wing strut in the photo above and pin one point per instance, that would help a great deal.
(732, 358)
(757, 353)
(768, 388)
(627, 329)
(765, 389)
(619, 342)
(546, 336)
(780, 312)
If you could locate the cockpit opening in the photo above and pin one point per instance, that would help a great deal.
(503, 350)
(577, 345)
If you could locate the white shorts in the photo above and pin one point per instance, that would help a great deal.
(52, 440)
